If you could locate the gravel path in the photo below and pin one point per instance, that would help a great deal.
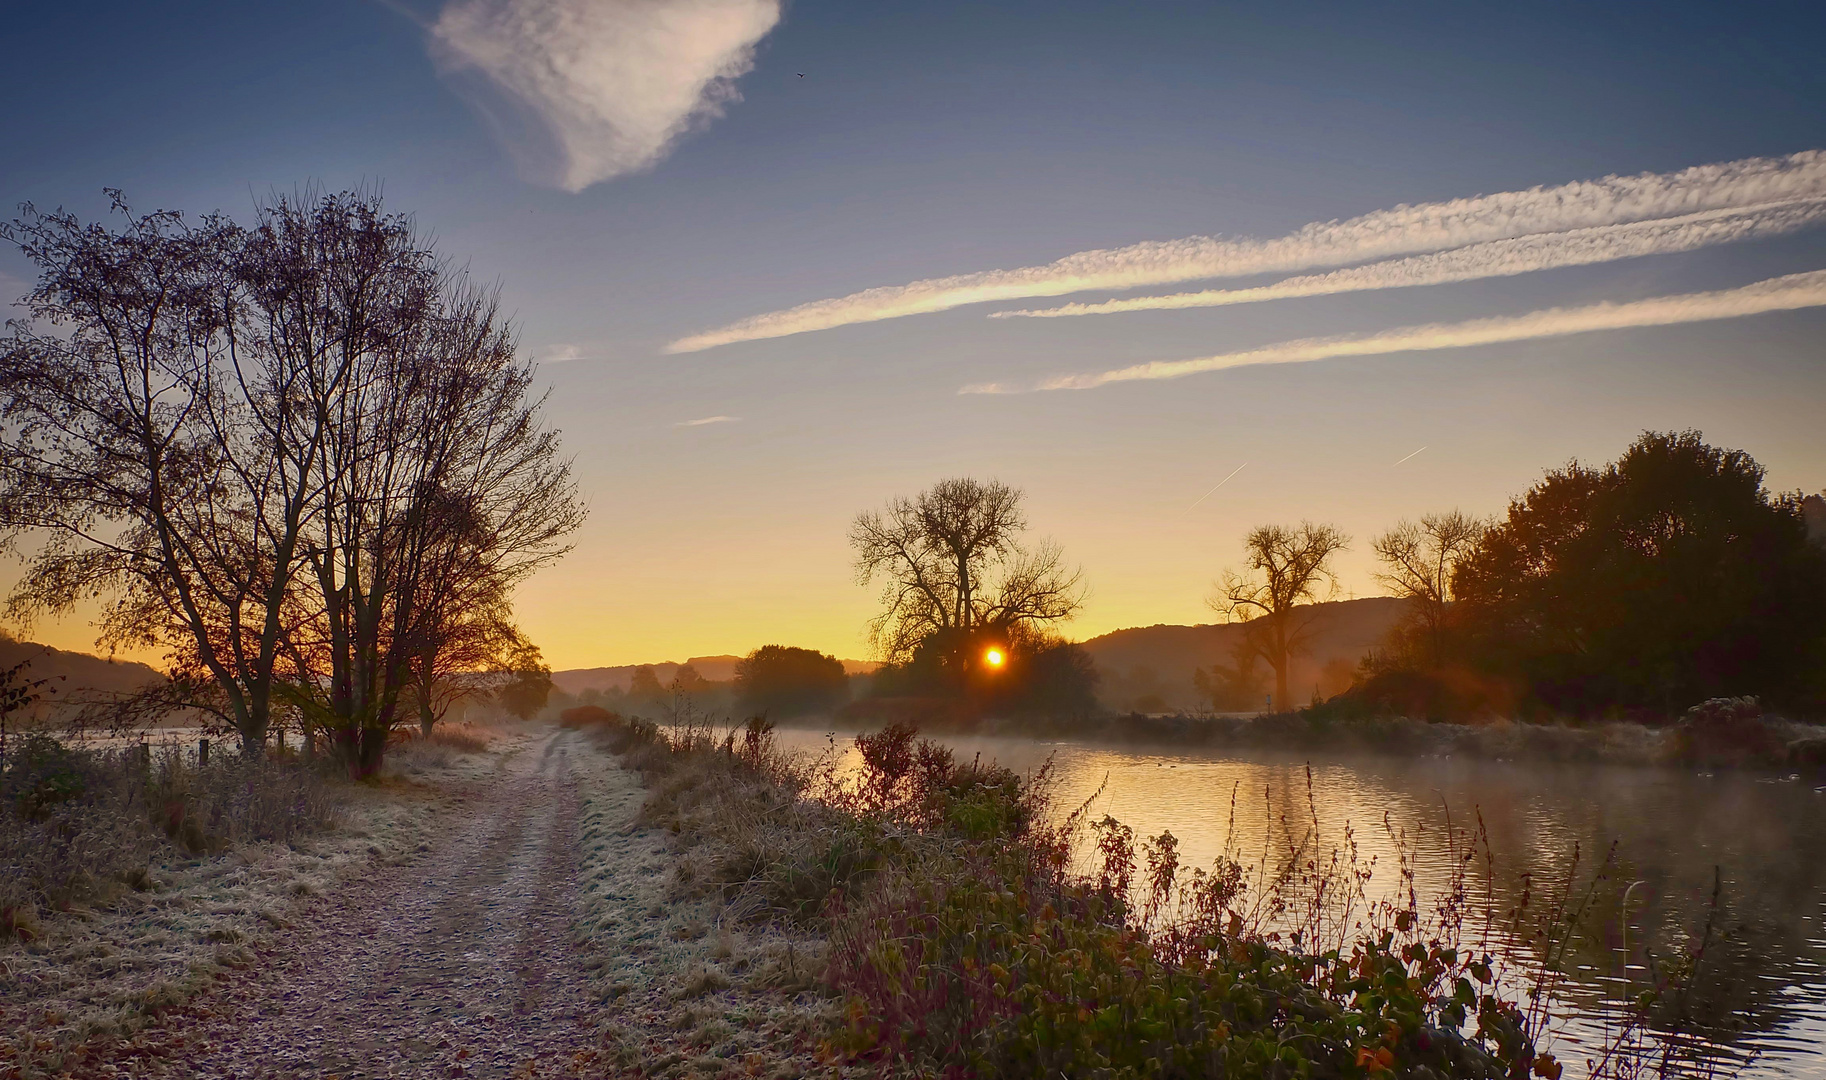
(461, 963)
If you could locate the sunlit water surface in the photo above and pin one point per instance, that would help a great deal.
(1764, 1002)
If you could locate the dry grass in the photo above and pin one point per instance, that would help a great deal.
(410, 753)
(694, 979)
(78, 827)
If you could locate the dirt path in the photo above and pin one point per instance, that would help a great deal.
(461, 963)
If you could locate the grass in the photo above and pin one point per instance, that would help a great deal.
(962, 938)
(78, 827)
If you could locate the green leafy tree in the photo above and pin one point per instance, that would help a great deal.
(1669, 576)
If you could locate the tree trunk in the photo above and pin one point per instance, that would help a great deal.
(426, 718)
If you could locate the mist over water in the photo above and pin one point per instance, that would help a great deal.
(1762, 999)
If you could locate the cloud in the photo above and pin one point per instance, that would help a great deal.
(1496, 258)
(1401, 230)
(582, 91)
(707, 420)
(560, 354)
(1776, 294)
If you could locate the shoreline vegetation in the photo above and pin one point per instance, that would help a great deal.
(960, 935)
(1723, 733)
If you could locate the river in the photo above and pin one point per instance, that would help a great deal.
(1762, 1004)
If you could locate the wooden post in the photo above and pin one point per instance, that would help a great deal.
(145, 755)
(203, 753)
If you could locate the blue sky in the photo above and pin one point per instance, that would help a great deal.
(932, 140)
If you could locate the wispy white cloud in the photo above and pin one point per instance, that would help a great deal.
(559, 354)
(1399, 231)
(585, 90)
(1776, 294)
(707, 420)
(1496, 258)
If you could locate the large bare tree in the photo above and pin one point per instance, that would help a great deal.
(135, 446)
(1286, 569)
(294, 453)
(1420, 559)
(952, 561)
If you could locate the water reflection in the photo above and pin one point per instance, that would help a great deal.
(1764, 999)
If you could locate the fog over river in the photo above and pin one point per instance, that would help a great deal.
(1763, 998)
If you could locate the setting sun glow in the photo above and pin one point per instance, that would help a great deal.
(994, 658)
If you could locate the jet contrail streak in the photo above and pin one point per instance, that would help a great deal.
(1409, 458)
(1384, 234)
(1497, 258)
(1788, 293)
(1214, 488)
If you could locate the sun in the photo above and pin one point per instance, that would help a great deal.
(995, 658)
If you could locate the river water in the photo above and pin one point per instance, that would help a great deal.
(1762, 1000)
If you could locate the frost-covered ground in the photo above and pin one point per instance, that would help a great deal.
(497, 913)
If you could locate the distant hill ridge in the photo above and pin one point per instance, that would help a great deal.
(713, 668)
(73, 676)
(1134, 663)
(1159, 660)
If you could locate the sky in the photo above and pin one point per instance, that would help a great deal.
(1355, 262)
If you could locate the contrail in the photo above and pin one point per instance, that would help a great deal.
(1384, 234)
(1214, 487)
(707, 420)
(1409, 458)
(1497, 258)
(1787, 293)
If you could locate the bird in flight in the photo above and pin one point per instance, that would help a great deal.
(802, 74)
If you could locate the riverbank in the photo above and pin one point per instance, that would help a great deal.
(1720, 739)
(958, 935)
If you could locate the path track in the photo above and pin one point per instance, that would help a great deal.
(460, 963)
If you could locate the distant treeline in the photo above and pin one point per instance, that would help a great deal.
(1633, 590)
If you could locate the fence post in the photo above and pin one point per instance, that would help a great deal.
(145, 755)
(203, 753)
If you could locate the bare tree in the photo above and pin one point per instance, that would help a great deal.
(1287, 569)
(135, 442)
(1420, 560)
(303, 456)
(952, 562)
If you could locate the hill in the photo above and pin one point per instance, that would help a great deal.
(74, 673)
(79, 671)
(1149, 668)
(713, 668)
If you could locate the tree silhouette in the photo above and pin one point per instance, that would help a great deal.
(782, 681)
(1286, 569)
(1665, 578)
(954, 567)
